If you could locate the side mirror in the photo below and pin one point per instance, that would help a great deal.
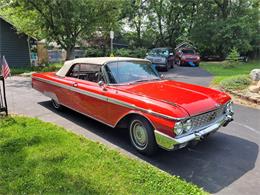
(162, 76)
(101, 83)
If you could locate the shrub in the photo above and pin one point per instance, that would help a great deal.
(135, 53)
(94, 52)
(122, 52)
(238, 82)
(233, 58)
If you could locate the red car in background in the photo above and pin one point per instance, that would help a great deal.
(187, 56)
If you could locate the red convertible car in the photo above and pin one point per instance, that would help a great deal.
(129, 93)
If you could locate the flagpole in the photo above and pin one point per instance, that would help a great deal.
(4, 96)
(6, 110)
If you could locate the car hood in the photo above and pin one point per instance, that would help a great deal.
(194, 99)
(156, 59)
(190, 55)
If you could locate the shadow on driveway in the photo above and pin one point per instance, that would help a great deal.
(212, 164)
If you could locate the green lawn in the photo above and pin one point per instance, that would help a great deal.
(220, 72)
(26, 69)
(38, 157)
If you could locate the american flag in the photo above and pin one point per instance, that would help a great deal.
(5, 68)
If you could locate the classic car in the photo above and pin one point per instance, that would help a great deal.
(161, 58)
(129, 93)
(187, 56)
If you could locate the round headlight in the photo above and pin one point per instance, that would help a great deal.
(187, 125)
(178, 128)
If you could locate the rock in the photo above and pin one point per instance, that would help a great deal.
(258, 84)
(254, 89)
(255, 74)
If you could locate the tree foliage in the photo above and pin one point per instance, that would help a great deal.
(221, 25)
(65, 21)
(213, 26)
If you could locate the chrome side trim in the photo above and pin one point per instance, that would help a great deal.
(137, 113)
(111, 100)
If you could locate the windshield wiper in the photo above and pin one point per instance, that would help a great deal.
(143, 80)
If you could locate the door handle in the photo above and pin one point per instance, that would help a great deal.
(75, 85)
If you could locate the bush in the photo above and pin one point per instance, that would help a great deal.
(94, 52)
(48, 68)
(232, 58)
(238, 82)
(123, 52)
(135, 53)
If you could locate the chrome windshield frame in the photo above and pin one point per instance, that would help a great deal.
(127, 83)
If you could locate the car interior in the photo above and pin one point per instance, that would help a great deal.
(87, 72)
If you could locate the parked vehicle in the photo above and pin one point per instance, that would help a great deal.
(187, 56)
(128, 93)
(161, 58)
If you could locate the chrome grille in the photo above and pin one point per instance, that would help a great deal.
(206, 118)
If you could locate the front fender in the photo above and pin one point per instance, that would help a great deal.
(159, 124)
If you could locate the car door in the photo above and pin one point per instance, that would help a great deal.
(89, 98)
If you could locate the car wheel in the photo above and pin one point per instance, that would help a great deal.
(178, 62)
(166, 67)
(56, 105)
(172, 66)
(142, 136)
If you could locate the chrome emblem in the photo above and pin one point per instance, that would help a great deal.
(212, 116)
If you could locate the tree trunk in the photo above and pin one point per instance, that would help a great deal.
(138, 29)
(69, 53)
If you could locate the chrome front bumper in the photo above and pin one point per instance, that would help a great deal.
(170, 143)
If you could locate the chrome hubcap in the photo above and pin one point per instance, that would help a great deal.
(55, 104)
(139, 134)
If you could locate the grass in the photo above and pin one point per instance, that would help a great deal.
(26, 69)
(38, 157)
(221, 71)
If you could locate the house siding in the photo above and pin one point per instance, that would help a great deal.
(13, 46)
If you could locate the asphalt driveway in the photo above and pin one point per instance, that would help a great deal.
(227, 163)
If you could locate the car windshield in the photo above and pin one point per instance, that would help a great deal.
(188, 51)
(159, 52)
(129, 72)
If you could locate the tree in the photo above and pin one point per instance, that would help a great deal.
(173, 19)
(221, 25)
(134, 13)
(65, 21)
